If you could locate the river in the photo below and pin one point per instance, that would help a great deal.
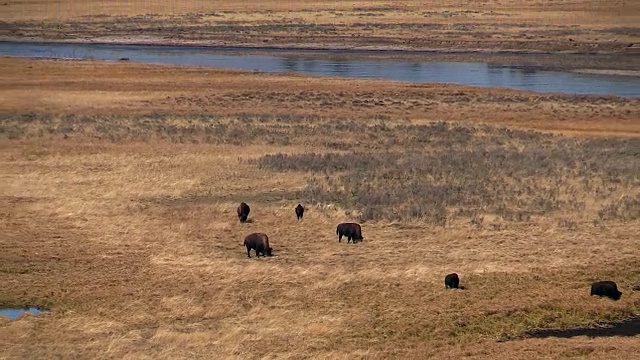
(309, 62)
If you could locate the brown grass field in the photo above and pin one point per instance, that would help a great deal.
(119, 184)
(502, 26)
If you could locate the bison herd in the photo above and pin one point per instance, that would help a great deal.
(259, 242)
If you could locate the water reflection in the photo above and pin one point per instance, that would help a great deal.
(467, 73)
(290, 64)
(341, 66)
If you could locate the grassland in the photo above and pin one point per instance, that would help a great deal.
(120, 182)
(468, 27)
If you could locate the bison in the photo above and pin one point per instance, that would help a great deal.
(451, 281)
(606, 288)
(259, 242)
(243, 212)
(299, 211)
(351, 231)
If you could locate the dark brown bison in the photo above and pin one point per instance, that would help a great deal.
(606, 288)
(299, 211)
(259, 242)
(243, 212)
(451, 281)
(351, 231)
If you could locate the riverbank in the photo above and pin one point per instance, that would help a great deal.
(576, 35)
(32, 85)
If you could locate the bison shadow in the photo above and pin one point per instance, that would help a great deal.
(460, 287)
(627, 327)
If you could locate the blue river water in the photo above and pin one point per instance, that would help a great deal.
(466, 73)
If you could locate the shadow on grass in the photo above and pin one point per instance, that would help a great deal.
(627, 327)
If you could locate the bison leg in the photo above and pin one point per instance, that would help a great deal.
(248, 252)
(340, 238)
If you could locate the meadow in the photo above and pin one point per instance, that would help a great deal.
(120, 184)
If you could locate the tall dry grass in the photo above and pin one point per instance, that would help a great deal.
(442, 172)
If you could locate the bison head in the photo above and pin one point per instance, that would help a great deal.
(616, 296)
(268, 251)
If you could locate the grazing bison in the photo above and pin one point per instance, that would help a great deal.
(299, 211)
(451, 281)
(351, 231)
(259, 242)
(243, 212)
(606, 288)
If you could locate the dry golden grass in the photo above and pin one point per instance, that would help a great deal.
(88, 88)
(583, 26)
(126, 228)
(38, 9)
